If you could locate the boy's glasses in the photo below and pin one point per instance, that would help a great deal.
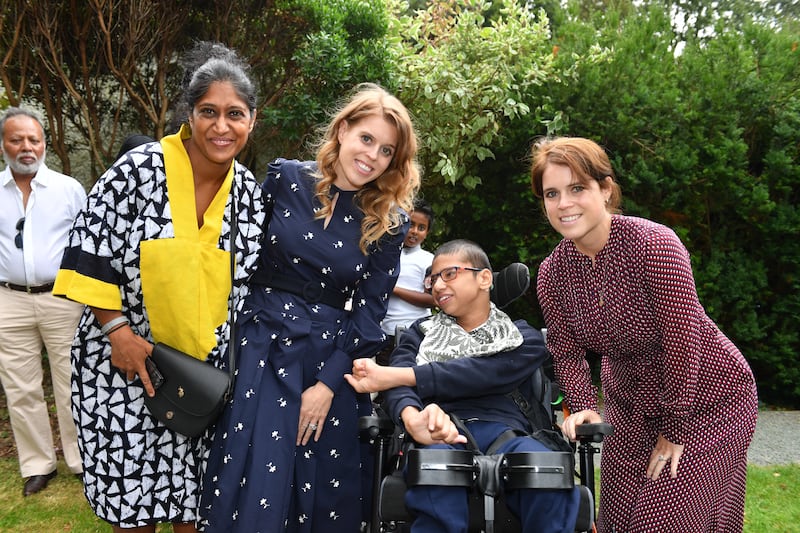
(18, 238)
(447, 274)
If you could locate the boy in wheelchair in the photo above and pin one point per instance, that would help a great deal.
(467, 361)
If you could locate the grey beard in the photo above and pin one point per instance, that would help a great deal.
(21, 168)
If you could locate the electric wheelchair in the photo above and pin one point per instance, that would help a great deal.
(487, 475)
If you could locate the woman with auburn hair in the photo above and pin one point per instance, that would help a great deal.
(680, 395)
(287, 455)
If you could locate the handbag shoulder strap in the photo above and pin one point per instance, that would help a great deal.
(231, 303)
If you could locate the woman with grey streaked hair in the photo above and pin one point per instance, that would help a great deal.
(150, 256)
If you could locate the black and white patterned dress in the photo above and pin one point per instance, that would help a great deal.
(137, 472)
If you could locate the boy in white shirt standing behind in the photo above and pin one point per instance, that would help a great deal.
(409, 300)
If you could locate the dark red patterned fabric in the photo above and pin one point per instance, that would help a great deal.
(666, 368)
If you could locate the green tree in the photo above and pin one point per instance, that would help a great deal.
(466, 77)
(700, 119)
(345, 43)
(705, 142)
(80, 64)
(100, 70)
(752, 263)
(697, 19)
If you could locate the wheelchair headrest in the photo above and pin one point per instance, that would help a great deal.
(510, 283)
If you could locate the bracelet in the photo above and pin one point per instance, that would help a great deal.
(115, 328)
(114, 323)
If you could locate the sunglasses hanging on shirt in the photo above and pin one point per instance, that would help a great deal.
(18, 238)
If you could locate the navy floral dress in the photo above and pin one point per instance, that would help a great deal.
(257, 478)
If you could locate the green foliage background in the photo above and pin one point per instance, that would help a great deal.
(704, 140)
(698, 108)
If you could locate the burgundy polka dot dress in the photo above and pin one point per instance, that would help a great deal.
(666, 368)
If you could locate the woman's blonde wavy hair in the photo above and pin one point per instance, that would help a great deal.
(382, 198)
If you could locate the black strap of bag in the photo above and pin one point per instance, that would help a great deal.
(231, 302)
(542, 428)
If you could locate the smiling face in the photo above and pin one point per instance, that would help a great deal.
(365, 152)
(221, 122)
(576, 209)
(465, 296)
(23, 145)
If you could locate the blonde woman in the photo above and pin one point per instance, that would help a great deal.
(287, 455)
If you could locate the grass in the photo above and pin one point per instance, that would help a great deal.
(61, 507)
(771, 505)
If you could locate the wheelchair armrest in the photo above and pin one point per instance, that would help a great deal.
(593, 432)
(377, 425)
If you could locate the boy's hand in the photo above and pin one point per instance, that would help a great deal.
(587, 416)
(431, 426)
(366, 376)
(369, 376)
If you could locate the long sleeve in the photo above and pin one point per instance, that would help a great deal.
(309, 249)
(470, 387)
(404, 355)
(362, 335)
(569, 357)
(681, 320)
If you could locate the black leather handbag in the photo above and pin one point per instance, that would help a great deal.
(190, 393)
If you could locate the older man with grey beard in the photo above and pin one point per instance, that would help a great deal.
(37, 207)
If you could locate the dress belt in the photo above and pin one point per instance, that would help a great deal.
(30, 289)
(311, 291)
